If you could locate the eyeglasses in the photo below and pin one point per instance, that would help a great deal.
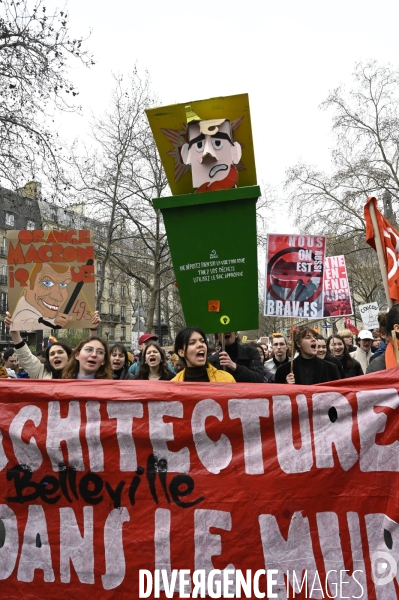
(90, 350)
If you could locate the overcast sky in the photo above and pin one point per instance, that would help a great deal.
(286, 55)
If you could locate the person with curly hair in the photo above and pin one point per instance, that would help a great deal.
(90, 360)
(154, 364)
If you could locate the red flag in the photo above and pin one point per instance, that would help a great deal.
(351, 326)
(390, 245)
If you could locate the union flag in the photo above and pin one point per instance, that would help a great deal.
(351, 326)
(390, 245)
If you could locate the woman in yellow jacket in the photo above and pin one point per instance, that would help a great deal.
(192, 348)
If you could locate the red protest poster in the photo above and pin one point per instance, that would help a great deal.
(294, 276)
(105, 484)
(50, 279)
(337, 296)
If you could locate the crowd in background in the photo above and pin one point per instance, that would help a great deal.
(307, 358)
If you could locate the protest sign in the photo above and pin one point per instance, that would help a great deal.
(369, 315)
(50, 279)
(98, 494)
(337, 296)
(294, 276)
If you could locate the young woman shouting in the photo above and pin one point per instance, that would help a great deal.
(89, 360)
(154, 364)
(192, 348)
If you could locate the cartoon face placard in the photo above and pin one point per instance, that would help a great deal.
(212, 155)
(50, 279)
(205, 145)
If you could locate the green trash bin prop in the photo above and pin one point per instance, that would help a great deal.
(207, 152)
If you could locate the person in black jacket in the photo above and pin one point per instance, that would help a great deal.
(337, 348)
(308, 369)
(241, 360)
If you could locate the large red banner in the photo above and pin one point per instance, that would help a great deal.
(294, 276)
(214, 479)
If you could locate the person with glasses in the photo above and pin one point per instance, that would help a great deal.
(240, 360)
(89, 360)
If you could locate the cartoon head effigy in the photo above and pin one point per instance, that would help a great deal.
(206, 155)
(211, 153)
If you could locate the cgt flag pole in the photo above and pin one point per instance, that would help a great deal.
(380, 253)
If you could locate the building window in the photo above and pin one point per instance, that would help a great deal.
(4, 301)
(123, 333)
(4, 269)
(9, 219)
(123, 291)
(111, 290)
(111, 309)
(123, 309)
(99, 267)
(112, 333)
(30, 225)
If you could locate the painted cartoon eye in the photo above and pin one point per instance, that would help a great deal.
(48, 283)
(199, 146)
(63, 285)
(217, 144)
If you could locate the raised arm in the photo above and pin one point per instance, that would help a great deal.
(32, 365)
(95, 324)
(15, 335)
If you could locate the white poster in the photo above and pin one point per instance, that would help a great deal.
(369, 315)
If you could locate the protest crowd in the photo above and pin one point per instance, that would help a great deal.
(307, 358)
